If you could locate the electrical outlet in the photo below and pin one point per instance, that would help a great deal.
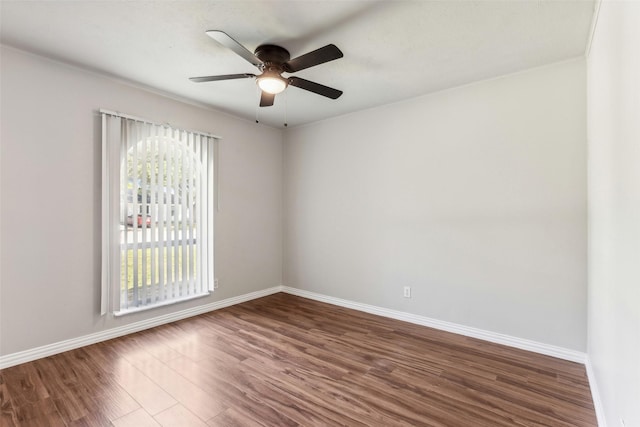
(407, 291)
(216, 284)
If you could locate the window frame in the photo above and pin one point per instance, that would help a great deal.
(115, 205)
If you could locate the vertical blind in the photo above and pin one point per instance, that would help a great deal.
(158, 202)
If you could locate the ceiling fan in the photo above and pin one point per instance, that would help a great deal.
(272, 61)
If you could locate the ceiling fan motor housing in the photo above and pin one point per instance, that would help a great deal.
(271, 54)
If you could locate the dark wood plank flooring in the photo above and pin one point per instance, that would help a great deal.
(287, 361)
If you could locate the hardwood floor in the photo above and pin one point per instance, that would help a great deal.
(286, 361)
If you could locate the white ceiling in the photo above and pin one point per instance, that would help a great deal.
(393, 50)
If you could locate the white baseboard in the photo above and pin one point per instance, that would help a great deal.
(59, 347)
(524, 344)
(70, 344)
(521, 343)
(595, 394)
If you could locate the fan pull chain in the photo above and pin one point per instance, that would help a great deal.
(286, 103)
(258, 108)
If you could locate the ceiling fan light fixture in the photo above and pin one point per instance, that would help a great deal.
(272, 83)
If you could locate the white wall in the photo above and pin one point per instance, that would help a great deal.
(614, 210)
(50, 195)
(475, 197)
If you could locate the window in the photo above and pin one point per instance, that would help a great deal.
(157, 214)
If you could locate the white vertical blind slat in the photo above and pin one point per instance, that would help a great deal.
(177, 283)
(116, 179)
(132, 138)
(162, 213)
(106, 223)
(203, 229)
(153, 215)
(142, 143)
(107, 260)
(196, 214)
(193, 206)
(183, 217)
(210, 215)
(206, 150)
(170, 231)
(189, 219)
(118, 158)
(197, 217)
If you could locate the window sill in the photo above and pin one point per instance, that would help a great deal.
(132, 310)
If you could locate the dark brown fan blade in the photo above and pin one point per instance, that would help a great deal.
(318, 56)
(314, 87)
(221, 77)
(266, 99)
(225, 40)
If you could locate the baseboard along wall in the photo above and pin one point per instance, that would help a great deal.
(494, 337)
(523, 344)
(73, 343)
(595, 394)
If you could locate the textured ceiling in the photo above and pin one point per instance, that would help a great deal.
(393, 50)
